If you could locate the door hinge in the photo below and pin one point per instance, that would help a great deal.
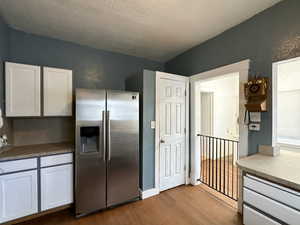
(184, 92)
(185, 130)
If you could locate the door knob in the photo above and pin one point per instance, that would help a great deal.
(162, 141)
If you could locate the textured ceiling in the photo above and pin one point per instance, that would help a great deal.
(153, 29)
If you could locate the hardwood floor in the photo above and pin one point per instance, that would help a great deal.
(179, 206)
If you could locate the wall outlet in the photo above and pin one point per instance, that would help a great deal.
(254, 126)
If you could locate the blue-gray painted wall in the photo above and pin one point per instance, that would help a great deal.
(144, 83)
(148, 158)
(92, 68)
(271, 35)
(3, 56)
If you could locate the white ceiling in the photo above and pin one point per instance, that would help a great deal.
(153, 29)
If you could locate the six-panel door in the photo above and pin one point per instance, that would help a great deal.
(172, 133)
(18, 195)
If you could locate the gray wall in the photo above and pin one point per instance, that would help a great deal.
(272, 35)
(92, 68)
(3, 56)
(144, 83)
(148, 133)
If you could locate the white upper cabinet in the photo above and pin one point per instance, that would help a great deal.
(57, 92)
(23, 94)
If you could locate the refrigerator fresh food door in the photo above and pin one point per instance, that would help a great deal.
(90, 157)
(122, 147)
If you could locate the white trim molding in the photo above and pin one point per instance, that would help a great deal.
(164, 75)
(275, 143)
(243, 69)
(149, 193)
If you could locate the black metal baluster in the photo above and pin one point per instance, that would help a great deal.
(216, 163)
(207, 161)
(220, 160)
(228, 168)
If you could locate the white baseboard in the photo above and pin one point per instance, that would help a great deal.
(149, 193)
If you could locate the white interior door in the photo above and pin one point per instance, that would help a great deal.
(172, 131)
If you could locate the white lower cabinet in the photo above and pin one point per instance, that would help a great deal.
(269, 203)
(18, 195)
(56, 186)
(252, 217)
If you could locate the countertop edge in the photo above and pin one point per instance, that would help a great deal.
(44, 151)
(27, 156)
(287, 183)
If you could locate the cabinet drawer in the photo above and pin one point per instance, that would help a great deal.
(271, 207)
(274, 191)
(56, 159)
(18, 165)
(252, 217)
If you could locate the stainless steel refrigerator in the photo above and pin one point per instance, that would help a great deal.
(107, 143)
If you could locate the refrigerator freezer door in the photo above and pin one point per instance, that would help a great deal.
(122, 147)
(90, 162)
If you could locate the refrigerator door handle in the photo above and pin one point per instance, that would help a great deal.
(108, 137)
(103, 135)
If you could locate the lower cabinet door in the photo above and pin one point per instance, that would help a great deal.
(56, 186)
(18, 195)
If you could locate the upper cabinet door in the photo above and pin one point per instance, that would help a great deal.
(57, 92)
(23, 97)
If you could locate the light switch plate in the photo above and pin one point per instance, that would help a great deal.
(152, 124)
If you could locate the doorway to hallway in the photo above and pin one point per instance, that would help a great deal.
(219, 133)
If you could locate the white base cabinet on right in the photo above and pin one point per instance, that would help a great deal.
(268, 203)
(252, 217)
(56, 186)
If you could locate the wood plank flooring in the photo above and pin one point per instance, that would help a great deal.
(185, 205)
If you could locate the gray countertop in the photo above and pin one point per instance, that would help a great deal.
(28, 151)
(283, 169)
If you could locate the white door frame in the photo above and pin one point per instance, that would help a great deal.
(275, 99)
(170, 76)
(243, 69)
